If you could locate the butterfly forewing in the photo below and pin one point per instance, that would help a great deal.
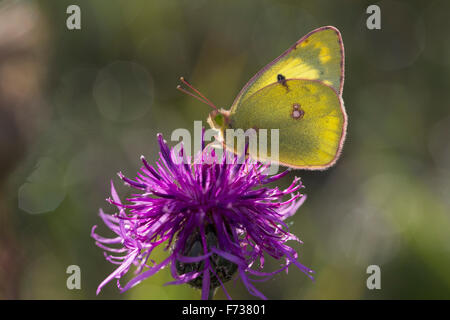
(317, 56)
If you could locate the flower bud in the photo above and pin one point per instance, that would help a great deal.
(223, 268)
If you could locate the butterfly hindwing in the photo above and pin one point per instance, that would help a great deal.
(310, 117)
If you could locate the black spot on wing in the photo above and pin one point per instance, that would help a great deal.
(282, 80)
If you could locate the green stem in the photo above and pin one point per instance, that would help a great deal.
(212, 292)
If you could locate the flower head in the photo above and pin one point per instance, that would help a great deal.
(215, 218)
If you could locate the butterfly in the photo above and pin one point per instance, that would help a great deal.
(300, 94)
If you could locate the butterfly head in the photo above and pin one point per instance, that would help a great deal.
(219, 119)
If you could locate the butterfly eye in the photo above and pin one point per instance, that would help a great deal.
(219, 120)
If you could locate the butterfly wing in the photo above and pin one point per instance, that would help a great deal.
(309, 114)
(317, 56)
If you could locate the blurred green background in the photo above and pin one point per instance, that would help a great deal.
(78, 106)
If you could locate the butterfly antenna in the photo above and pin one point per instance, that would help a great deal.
(201, 97)
(192, 95)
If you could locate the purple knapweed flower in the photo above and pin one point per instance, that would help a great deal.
(215, 218)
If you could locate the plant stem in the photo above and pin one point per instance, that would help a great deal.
(212, 292)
